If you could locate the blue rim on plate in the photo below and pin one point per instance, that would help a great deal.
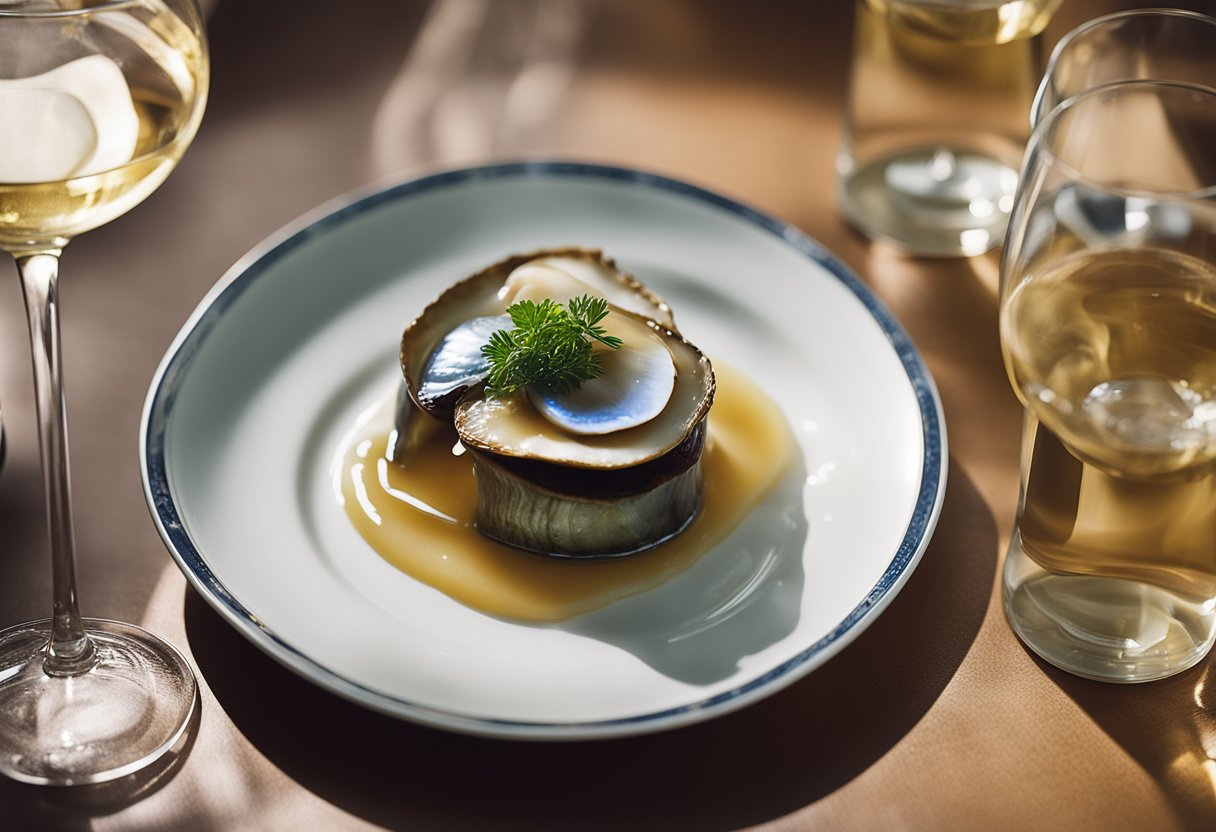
(159, 405)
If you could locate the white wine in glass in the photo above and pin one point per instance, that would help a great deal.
(98, 101)
(935, 122)
(1108, 326)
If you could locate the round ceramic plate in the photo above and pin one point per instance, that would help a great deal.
(252, 400)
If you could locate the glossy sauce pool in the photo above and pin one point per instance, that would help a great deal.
(419, 512)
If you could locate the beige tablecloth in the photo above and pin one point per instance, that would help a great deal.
(935, 718)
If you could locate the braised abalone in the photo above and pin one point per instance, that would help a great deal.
(610, 468)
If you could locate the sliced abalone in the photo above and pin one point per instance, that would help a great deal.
(637, 383)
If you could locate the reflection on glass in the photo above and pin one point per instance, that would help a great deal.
(483, 77)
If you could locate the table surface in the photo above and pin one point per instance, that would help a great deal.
(934, 718)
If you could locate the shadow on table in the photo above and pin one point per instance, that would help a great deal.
(746, 767)
(1167, 727)
(75, 807)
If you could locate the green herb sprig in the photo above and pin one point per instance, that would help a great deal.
(549, 347)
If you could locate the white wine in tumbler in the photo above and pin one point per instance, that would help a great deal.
(1080, 520)
(937, 119)
(1113, 353)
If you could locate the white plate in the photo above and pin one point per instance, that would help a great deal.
(245, 413)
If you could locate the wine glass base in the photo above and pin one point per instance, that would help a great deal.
(120, 716)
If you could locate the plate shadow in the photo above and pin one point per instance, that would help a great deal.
(756, 764)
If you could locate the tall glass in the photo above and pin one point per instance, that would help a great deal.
(935, 123)
(98, 101)
(1142, 44)
(1108, 327)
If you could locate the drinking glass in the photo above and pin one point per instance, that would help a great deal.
(1142, 44)
(935, 123)
(1108, 328)
(98, 101)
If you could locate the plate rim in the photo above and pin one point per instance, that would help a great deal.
(162, 392)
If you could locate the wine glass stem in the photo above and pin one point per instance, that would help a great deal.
(70, 651)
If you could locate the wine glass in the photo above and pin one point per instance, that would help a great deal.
(1108, 328)
(98, 101)
(1141, 44)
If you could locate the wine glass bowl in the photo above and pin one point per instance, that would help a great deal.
(99, 105)
(1108, 328)
(98, 101)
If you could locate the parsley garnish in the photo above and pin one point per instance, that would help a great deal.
(549, 347)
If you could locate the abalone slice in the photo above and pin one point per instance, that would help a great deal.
(457, 363)
(636, 386)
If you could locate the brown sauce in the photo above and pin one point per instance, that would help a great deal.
(418, 513)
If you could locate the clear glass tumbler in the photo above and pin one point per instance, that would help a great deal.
(935, 123)
(1108, 327)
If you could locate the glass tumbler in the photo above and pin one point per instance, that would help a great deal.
(1108, 328)
(935, 123)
